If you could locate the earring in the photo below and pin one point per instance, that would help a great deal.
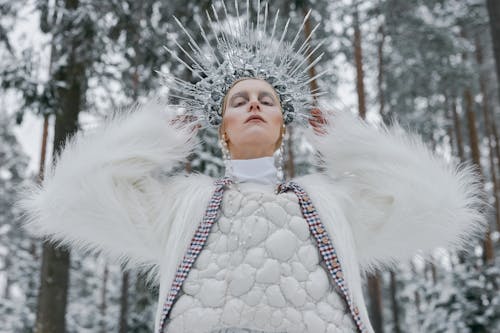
(226, 156)
(279, 163)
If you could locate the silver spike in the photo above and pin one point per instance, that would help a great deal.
(248, 17)
(198, 66)
(308, 38)
(308, 53)
(274, 25)
(258, 15)
(191, 39)
(282, 38)
(238, 16)
(184, 98)
(219, 42)
(182, 61)
(205, 38)
(306, 17)
(297, 67)
(319, 94)
(232, 29)
(223, 33)
(314, 62)
(315, 77)
(265, 17)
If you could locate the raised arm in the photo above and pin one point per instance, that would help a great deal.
(104, 192)
(402, 197)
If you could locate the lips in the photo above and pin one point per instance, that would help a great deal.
(255, 117)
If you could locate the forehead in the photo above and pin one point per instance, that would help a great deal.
(251, 85)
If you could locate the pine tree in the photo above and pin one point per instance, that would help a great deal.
(17, 265)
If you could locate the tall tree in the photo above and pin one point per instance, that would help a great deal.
(358, 59)
(488, 125)
(374, 281)
(73, 34)
(17, 267)
(470, 111)
(494, 15)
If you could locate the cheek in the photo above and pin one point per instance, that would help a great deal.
(276, 118)
(232, 120)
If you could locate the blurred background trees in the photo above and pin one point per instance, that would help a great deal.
(66, 64)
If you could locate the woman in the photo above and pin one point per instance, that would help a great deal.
(243, 254)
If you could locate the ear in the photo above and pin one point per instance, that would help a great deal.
(222, 133)
(282, 136)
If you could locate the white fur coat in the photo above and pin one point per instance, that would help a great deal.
(383, 195)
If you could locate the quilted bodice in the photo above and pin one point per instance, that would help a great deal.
(259, 270)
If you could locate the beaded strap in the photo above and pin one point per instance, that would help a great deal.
(197, 243)
(325, 247)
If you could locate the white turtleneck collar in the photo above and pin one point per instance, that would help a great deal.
(256, 170)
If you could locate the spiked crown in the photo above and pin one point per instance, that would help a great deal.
(245, 49)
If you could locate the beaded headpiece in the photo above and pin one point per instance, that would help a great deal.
(245, 49)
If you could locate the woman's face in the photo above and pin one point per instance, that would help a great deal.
(252, 120)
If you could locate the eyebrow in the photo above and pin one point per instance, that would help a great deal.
(244, 94)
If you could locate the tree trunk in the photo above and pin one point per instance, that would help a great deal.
(416, 294)
(494, 18)
(358, 58)
(41, 171)
(458, 130)
(394, 303)
(8, 279)
(123, 327)
(457, 125)
(430, 267)
(43, 150)
(52, 297)
(380, 79)
(54, 280)
(124, 298)
(493, 167)
(494, 132)
(375, 295)
(494, 15)
(488, 128)
(55, 261)
(374, 290)
(488, 253)
(449, 128)
(103, 306)
(374, 282)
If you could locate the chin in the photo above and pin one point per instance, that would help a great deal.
(256, 134)
(255, 129)
(256, 139)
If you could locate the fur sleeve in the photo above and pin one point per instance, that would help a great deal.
(103, 194)
(402, 196)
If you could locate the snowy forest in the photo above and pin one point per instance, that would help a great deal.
(66, 64)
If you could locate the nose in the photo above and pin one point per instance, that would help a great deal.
(254, 106)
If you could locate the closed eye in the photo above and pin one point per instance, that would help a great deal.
(239, 103)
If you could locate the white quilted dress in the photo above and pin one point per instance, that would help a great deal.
(260, 270)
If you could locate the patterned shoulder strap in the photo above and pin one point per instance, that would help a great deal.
(197, 243)
(325, 246)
